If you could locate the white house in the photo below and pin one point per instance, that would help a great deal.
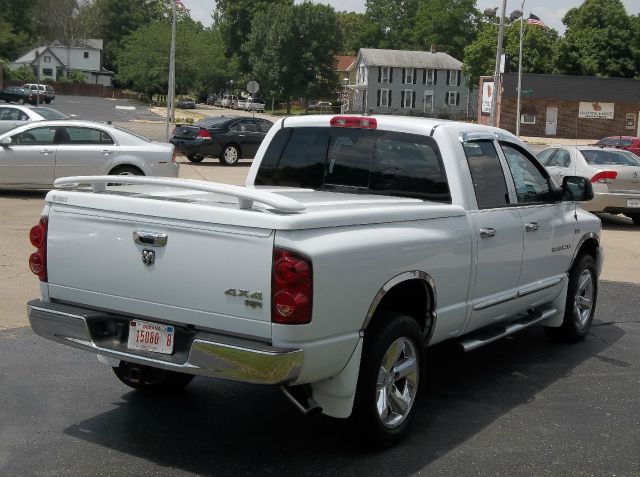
(56, 60)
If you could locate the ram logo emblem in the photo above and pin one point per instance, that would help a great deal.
(148, 257)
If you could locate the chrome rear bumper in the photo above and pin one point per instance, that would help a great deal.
(196, 352)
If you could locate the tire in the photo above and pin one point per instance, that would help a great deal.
(126, 170)
(230, 155)
(378, 412)
(21, 101)
(48, 101)
(151, 380)
(195, 157)
(635, 218)
(580, 308)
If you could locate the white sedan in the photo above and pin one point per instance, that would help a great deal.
(38, 153)
(615, 175)
(12, 115)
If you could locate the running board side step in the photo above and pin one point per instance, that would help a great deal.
(484, 337)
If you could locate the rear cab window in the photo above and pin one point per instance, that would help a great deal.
(353, 160)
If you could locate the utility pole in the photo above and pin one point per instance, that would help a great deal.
(496, 75)
(172, 71)
(520, 71)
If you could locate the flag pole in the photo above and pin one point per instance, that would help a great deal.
(520, 71)
(496, 75)
(172, 70)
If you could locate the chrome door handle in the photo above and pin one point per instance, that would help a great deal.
(151, 239)
(45, 152)
(106, 152)
(532, 227)
(487, 232)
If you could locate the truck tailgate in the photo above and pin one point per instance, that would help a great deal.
(210, 275)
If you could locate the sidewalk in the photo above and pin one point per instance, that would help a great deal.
(557, 141)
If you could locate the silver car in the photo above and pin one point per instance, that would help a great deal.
(36, 154)
(12, 116)
(615, 175)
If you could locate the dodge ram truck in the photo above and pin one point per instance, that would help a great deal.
(356, 242)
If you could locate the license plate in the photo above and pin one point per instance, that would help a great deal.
(148, 336)
(633, 202)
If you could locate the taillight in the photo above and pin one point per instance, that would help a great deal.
(361, 122)
(292, 288)
(38, 259)
(173, 156)
(204, 134)
(604, 177)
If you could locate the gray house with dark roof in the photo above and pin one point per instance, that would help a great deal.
(417, 83)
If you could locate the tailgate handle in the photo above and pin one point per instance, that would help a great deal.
(151, 239)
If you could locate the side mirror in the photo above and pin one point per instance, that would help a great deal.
(5, 141)
(577, 189)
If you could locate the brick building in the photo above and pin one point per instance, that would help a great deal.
(578, 107)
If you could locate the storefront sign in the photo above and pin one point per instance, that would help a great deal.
(487, 96)
(630, 122)
(595, 110)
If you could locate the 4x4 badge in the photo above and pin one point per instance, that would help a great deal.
(253, 299)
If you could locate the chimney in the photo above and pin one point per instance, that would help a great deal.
(433, 48)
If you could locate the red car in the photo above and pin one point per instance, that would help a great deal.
(628, 143)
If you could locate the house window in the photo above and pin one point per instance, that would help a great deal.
(47, 71)
(47, 59)
(528, 118)
(384, 98)
(408, 75)
(428, 101)
(385, 75)
(453, 77)
(86, 54)
(452, 98)
(408, 99)
(361, 75)
(428, 76)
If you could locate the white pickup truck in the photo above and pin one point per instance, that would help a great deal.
(356, 243)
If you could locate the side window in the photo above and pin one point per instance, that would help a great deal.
(269, 163)
(562, 158)
(545, 156)
(248, 125)
(263, 125)
(79, 136)
(35, 137)
(235, 127)
(487, 174)
(531, 184)
(5, 113)
(12, 114)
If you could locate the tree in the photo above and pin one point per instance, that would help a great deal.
(118, 19)
(233, 18)
(389, 24)
(449, 24)
(538, 56)
(143, 60)
(65, 20)
(598, 41)
(292, 48)
(351, 25)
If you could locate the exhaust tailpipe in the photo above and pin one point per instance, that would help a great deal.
(302, 400)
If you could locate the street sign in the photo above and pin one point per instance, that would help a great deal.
(253, 87)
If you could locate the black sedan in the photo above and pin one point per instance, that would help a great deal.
(227, 137)
(15, 94)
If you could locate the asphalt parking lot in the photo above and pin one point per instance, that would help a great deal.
(521, 406)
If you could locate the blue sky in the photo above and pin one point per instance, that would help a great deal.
(549, 11)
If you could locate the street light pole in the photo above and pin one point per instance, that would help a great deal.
(496, 75)
(172, 70)
(520, 71)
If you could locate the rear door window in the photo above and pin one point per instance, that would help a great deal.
(487, 174)
(35, 136)
(355, 160)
